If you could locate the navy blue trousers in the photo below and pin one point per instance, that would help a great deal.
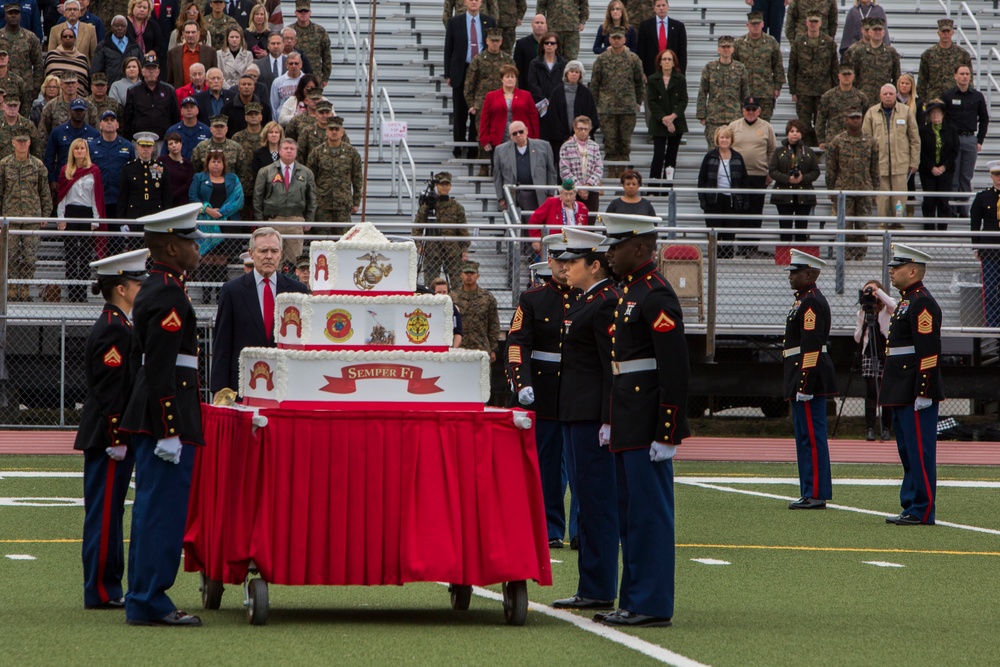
(158, 518)
(569, 479)
(646, 526)
(105, 485)
(811, 448)
(596, 493)
(774, 16)
(549, 441)
(916, 440)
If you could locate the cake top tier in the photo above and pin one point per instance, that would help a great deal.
(363, 261)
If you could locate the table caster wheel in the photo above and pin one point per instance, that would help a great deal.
(515, 602)
(461, 596)
(257, 605)
(211, 592)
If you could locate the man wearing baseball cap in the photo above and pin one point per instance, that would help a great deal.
(150, 106)
(111, 152)
(14, 123)
(753, 138)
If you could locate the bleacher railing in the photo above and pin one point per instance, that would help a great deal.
(976, 45)
(992, 73)
(401, 163)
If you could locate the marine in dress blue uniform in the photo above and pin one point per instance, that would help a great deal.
(533, 359)
(585, 414)
(163, 417)
(809, 378)
(648, 420)
(911, 384)
(107, 463)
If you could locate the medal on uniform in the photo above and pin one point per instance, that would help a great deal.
(156, 172)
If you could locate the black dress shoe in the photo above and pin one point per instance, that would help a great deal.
(885, 434)
(577, 602)
(807, 504)
(555, 543)
(628, 619)
(905, 520)
(574, 543)
(870, 435)
(600, 616)
(457, 152)
(175, 618)
(110, 604)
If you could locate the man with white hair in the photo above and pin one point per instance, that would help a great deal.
(86, 35)
(196, 72)
(214, 97)
(894, 128)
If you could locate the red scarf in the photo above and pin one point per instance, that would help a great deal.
(65, 183)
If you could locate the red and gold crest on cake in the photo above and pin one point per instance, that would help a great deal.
(321, 265)
(417, 326)
(291, 318)
(261, 370)
(338, 326)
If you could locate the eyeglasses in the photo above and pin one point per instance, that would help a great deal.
(550, 43)
(515, 133)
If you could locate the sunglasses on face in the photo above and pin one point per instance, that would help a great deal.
(550, 43)
(515, 133)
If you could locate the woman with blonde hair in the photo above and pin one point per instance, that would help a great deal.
(189, 12)
(234, 57)
(80, 194)
(906, 93)
(258, 31)
(49, 91)
(144, 31)
(270, 141)
(616, 15)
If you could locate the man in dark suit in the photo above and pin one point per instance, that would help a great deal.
(526, 48)
(165, 13)
(177, 74)
(523, 161)
(659, 33)
(464, 38)
(246, 308)
(273, 64)
(214, 97)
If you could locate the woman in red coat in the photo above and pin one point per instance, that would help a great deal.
(502, 107)
(563, 209)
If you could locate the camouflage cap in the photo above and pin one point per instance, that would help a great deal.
(303, 261)
(442, 177)
(98, 78)
(218, 120)
(303, 4)
(252, 107)
(494, 33)
(846, 69)
(314, 93)
(14, 100)
(616, 31)
(335, 121)
(12, 7)
(726, 40)
(68, 77)
(814, 16)
(946, 24)
(4, 51)
(866, 24)
(876, 22)
(324, 105)
(21, 135)
(755, 17)
(853, 111)
(470, 267)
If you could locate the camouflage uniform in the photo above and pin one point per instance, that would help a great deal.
(765, 71)
(22, 126)
(14, 86)
(798, 10)
(25, 60)
(852, 164)
(812, 70)
(874, 67)
(457, 7)
(232, 150)
(218, 27)
(851, 53)
(24, 191)
(310, 138)
(619, 88)
(509, 13)
(480, 319)
(249, 142)
(720, 95)
(106, 10)
(638, 11)
(56, 112)
(314, 41)
(443, 256)
(299, 124)
(338, 183)
(107, 104)
(565, 18)
(830, 116)
(937, 70)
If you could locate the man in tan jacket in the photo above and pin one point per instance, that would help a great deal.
(86, 35)
(894, 128)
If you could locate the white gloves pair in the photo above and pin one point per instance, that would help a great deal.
(169, 449)
(659, 451)
(799, 396)
(922, 403)
(526, 396)
(117, 453)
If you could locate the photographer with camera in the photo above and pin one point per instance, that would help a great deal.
(437, 206)
(871, 330)
(793, 168)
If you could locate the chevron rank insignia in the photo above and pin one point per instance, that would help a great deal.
(171, 322)
(514, 354)
(663, 323)
(809, 320)
(113, 357)
(810, 359)
(925, 322)
(515, 324)
(928, 362)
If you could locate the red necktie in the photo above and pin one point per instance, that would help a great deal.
(663, 35)
(473, 39)
(268, 309)
(288, 176)
(156, 8)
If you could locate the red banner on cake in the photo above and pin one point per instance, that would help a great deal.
(350, 375)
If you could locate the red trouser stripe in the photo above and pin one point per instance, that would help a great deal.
(812, 448)
(923, 469)
(102, 559)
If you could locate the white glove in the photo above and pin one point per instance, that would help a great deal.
(125, 228)
(659, 451)
(526, 396)
(169, 449)
(799, 396)
(95, 225)
(922, 403)
(604, 435)
(117, 452)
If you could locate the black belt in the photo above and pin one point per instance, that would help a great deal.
(966, 134)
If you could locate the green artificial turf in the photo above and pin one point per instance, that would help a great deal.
(797, 590)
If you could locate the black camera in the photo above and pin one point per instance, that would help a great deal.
(867, 298)
(429, 197)
(795, 173)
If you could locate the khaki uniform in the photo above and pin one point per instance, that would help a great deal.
(830, 115)
(8, 131)
(565, 18)
(24, 191)
(56, 112)
(338, 174)
(852, 164)
(232, 150)
(720, 95)
(443, 256)
(899, 151)
(314, 41)
(765, 70)
(937, 70)
(480, 319)
(25, 60)
(812, 70)
(619, 88)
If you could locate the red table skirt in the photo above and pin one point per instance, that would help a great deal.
(367, 498)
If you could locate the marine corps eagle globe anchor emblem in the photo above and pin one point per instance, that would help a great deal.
(367, 277)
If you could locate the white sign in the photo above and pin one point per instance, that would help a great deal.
(393, 131)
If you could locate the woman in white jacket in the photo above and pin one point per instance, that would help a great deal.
(234, 57)
(873, 358)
